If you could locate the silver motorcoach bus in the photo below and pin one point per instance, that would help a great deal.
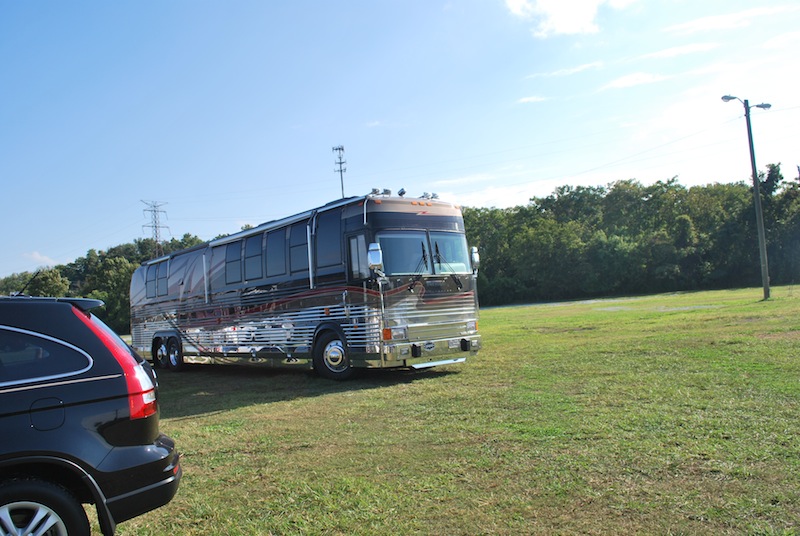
(373, 281)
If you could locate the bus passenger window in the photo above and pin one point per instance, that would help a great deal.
(298, 248)
(150, 283)
(359, 268)
(329, 239)
(162, 278)
(276, 253)
(253, 265)
(233, 263)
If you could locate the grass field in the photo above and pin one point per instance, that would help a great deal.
(672, 414)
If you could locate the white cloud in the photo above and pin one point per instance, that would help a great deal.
(560, 17)
(39, 259)
(520, 8)
(783, 41)
(528, 100)
(570, 70)
(635, 79)
(681, 50)
(729, 21)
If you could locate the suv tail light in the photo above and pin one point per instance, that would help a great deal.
(142, 399)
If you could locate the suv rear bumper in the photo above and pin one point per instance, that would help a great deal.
(139, 501)
(145, 477)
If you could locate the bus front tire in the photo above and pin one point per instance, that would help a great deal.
(330, 358)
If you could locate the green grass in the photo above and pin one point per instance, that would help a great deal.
(672, 414)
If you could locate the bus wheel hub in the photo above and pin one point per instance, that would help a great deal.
(334, 355)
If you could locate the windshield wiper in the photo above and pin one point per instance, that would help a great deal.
(420, 269)
(439, 259)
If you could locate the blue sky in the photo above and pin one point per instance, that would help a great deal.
(226, 112)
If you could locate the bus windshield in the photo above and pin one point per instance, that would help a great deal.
(416, 253)
(450, 255)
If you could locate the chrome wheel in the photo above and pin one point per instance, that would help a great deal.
(36, 507)
(174, 354)
(334, 357)
(27, 517)
(331, 359)
(161, 359)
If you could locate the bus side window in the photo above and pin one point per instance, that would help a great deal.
(216, 268)
(329, 239)
(253, 262)
(276, 252)
(163, 267)
(359, 268)
(298, 248)
(150, 283)
(233, 263)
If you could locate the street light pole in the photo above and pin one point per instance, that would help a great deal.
(762, 239)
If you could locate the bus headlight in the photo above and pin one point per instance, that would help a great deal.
(395, 334)
(472, 325)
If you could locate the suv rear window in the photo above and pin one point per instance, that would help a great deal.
(26, 356)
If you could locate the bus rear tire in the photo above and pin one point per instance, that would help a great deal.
(160, 359)
(330, 358)
(174, 355)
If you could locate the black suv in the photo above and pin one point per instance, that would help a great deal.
(78, 422)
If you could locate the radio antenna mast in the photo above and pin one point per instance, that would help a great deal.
(340, 162)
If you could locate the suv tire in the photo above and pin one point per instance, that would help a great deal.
(26, 504)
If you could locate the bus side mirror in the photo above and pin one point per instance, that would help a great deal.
(375, 257)
(475, 257)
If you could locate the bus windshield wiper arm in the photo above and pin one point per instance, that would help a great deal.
(423, 262)
(421, 268)
(438, 258)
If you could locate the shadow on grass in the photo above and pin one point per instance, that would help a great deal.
(202, 389)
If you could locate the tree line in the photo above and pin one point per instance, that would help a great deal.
(627, 238)
(105, 275)
(579, 242)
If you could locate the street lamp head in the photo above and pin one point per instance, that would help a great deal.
(763, 106)
(728, 98)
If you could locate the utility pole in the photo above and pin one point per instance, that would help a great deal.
(762, 239)
(340, 162)
(154, 208)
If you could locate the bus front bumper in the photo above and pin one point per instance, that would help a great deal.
(424, 354)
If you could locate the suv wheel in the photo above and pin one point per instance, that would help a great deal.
(38, 507)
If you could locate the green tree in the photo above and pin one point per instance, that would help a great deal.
(48, 282)
(581, 204)
(488, 229)
(112, 285)
(14, 283)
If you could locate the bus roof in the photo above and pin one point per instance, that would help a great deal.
(383, 201)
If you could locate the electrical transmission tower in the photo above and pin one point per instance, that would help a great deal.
(340, 162)
(154, 208)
